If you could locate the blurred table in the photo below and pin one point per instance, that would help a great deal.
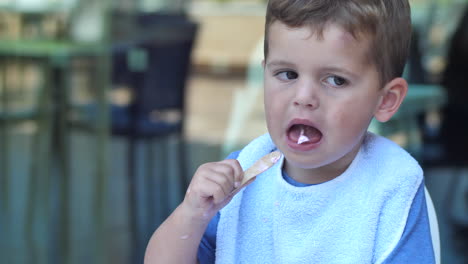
(56, 57)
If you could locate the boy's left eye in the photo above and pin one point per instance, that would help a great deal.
(336, 80)
(287, 75)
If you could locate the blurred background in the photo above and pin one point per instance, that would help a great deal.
(108, 107)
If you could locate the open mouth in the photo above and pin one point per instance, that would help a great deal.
(303, 134)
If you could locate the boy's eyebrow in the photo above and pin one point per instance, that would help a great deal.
(281, 63)
(338, 69)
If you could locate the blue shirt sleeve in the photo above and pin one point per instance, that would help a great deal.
(207, 248)
(415, 245)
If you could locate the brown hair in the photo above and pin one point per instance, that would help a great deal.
(387, 22)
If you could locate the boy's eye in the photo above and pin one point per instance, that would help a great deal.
(287, 75)
(336, 81)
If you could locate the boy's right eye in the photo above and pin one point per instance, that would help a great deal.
(287, 75)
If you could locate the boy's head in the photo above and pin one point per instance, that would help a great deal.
(386, 23)
(330, 67)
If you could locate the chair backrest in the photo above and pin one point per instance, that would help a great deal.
(168, 63)
(166, 76)
(434, 226)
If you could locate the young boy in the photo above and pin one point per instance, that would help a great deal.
(338, 194)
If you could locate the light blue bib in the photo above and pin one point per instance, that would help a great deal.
(358, 217)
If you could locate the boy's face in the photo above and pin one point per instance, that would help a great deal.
(324, 89)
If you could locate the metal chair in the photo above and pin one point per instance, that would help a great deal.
(157, 112)
(154, 65)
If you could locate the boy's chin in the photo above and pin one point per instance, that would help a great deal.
(304, 164)
(330, 165)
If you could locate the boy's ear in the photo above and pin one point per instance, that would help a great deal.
(392, 96)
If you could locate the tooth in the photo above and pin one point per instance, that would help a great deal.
(302, 138)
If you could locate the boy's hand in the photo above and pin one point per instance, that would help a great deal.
(212, 188)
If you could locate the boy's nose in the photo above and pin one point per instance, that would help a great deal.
(306, 96)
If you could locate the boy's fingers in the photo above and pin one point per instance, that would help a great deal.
(219, 197)
(226, 171)
(240, 187)
(232, 169)
(223, 182)
(210, 189)
(238, 172)
(216, 181)
(215, 191)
